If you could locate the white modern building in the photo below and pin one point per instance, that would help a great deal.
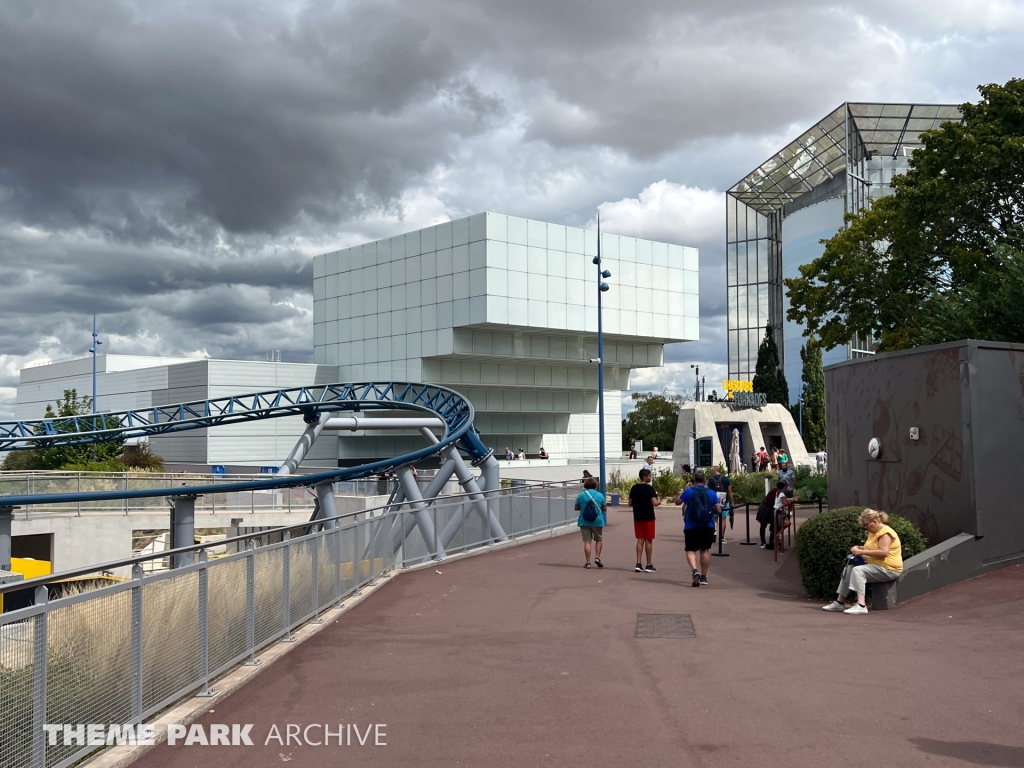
(778, 214)
(131, 381)
(504, 310)
(501, 308)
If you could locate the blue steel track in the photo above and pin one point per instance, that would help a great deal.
(309, 402)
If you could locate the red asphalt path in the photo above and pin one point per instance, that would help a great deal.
(523, 658)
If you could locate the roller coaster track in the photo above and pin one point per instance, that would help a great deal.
(309, 402)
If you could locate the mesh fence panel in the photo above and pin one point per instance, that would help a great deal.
(16, 673)
(170, 637)
(226, 612)
(302, 578)
(348, 542)
(269, 573)
(89, 665)
(325, 568)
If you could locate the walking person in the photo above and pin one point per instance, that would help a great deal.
(643, 499)
(722, 486)
(762, 460)
(592, 507)
(881, 560)
(699, 510)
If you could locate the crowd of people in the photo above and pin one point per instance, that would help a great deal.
(707, 502)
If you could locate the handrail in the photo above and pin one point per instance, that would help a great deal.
(389, 509)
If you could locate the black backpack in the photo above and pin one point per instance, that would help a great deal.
(700, 508)
(590, 509)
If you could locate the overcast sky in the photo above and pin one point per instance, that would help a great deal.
(173, 167)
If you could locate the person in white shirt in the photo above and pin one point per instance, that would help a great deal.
(821, 458)
(522, 454)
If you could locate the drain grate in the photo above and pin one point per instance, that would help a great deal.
(664, 625)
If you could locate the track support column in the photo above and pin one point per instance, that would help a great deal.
(6, 519)
(183, 528)
(419, 509)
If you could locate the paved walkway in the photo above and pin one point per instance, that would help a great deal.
(523, 658)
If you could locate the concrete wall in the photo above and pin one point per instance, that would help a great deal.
(79, 542)
(962, 476)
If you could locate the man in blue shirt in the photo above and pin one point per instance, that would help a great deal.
(699, 509)
(592, 508)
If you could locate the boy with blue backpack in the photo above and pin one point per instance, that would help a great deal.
(699, 509)
(592, 508)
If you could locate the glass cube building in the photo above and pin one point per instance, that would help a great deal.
(777, 215)
(504, 309)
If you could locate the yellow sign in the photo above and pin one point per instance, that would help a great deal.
(737, 385)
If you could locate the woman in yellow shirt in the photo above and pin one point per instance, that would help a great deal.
(882, 561)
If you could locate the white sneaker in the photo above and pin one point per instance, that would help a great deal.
(835, 606)
(857, 610)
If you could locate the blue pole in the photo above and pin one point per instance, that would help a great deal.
(600, 356)
(95, 344)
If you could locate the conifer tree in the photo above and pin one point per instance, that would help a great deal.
(814, 395)
(768, 375)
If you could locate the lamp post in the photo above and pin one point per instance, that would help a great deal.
(601, 288)
(95, 344)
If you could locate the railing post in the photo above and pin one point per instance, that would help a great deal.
(315, 577)
(79, 490)
(126, 488)
(287, 586)
(337, 565)
(250, 602)
(204, 626)
(136, 657)
(355, 556)
(375, 525)
(39, 658)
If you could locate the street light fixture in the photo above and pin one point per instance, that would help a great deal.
(602, 274)
(95, 343)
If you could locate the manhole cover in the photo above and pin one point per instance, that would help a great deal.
(664, 625)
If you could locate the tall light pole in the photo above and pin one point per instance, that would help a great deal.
(95, 344)
(601, 288)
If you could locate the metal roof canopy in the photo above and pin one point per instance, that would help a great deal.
(820, 152)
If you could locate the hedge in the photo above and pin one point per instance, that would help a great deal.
(824, 541)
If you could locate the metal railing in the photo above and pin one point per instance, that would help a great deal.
(266, 500)
(120, 653)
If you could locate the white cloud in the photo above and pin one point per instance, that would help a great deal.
(668, 212)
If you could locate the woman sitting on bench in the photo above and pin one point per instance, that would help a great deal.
(880, 559)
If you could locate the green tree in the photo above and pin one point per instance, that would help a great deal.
(768, 376)
(933, 250)
(813, 377)
(653, 419)
(78, 456)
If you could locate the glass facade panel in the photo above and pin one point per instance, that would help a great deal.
(858, 143)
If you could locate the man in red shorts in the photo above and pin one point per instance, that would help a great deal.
(643, 500)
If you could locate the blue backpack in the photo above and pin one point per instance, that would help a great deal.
(590, 509)
(700, 509)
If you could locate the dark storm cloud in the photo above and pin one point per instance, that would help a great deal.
(109, 115)
(173, 166)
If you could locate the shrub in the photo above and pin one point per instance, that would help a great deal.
(667, 485)
(749, 486)
(824, 541)
(813, 487)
